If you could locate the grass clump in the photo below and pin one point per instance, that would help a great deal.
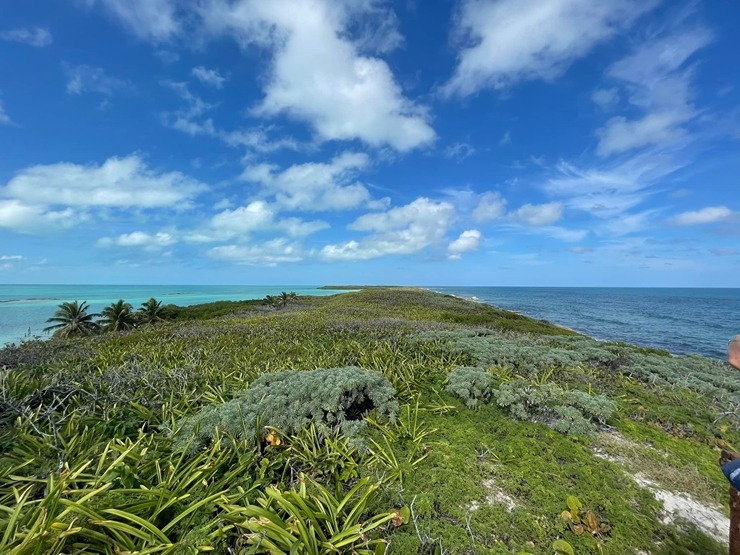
(472, 385)
(292, 400)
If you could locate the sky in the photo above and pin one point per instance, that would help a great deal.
(446, 142)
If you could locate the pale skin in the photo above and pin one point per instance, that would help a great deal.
(733, 352)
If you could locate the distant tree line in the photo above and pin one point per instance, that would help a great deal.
(72, 319)
(282, 300)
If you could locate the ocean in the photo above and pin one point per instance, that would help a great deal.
(25, 308)
(681, 321)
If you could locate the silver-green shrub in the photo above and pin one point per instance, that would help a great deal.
(569, 412)
(472, 385)
(335, 398)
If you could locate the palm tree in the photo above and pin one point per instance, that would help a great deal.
(287, 298)
(272, 301)
(119, 316)
(152, 312)
(72, 319)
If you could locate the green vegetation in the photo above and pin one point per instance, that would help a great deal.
(72, 319)
(388, 418)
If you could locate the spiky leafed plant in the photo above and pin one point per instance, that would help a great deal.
(272, 300)
(119, 316)
(152, 312)
(72, 319)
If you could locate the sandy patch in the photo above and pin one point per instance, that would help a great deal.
(677, 507)
(494, 496)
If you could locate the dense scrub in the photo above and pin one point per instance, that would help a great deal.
(438, 431)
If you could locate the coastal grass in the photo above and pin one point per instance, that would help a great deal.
(91, 460)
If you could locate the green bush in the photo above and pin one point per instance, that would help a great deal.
(472, 385)
(335, 398)
(568, 412)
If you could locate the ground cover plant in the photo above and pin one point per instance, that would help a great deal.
(388, 420)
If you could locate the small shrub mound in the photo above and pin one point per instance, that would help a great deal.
(335, 398)
(568, 412)
(472, 385)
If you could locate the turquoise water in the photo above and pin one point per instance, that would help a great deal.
(679, 320)
(25, 308)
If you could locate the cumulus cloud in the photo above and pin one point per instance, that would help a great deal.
(89, 79)
(32, 36)
(658, 82)
(28, 218)
(314, 186)
(538, 214)
(151, 20)
(468, 241)
(210, 77)
(118, 182)
(257, 216)
(491, 206)
(508, 41)
(401, 230)
(707, 215)
(269, 253)
(140, 239)
(318, 74)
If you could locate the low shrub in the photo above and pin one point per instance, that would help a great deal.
(472, 385)
(568, 412)
(335, 398)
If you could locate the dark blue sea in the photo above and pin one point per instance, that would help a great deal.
(678, 320)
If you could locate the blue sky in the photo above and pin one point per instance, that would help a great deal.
(461, 142)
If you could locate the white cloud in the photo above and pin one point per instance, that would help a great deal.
(402, 230)
(140, 239)
(28, 218)
(508, 41)
(192, 119)
(459, 151)
(4, 117)
(506, 139)
(153, 20)
(210, 77)
(270, 253)
(708, 215)
(32, 36)
(86, 79)
(538, 214)
(491, 206)
(118, 182)
(256, 217)
(314, 186)
(319, 76)
(11, 257)
(468, 241)
(630, 223)
(659, 84)
(606, 99)
(612, 189)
